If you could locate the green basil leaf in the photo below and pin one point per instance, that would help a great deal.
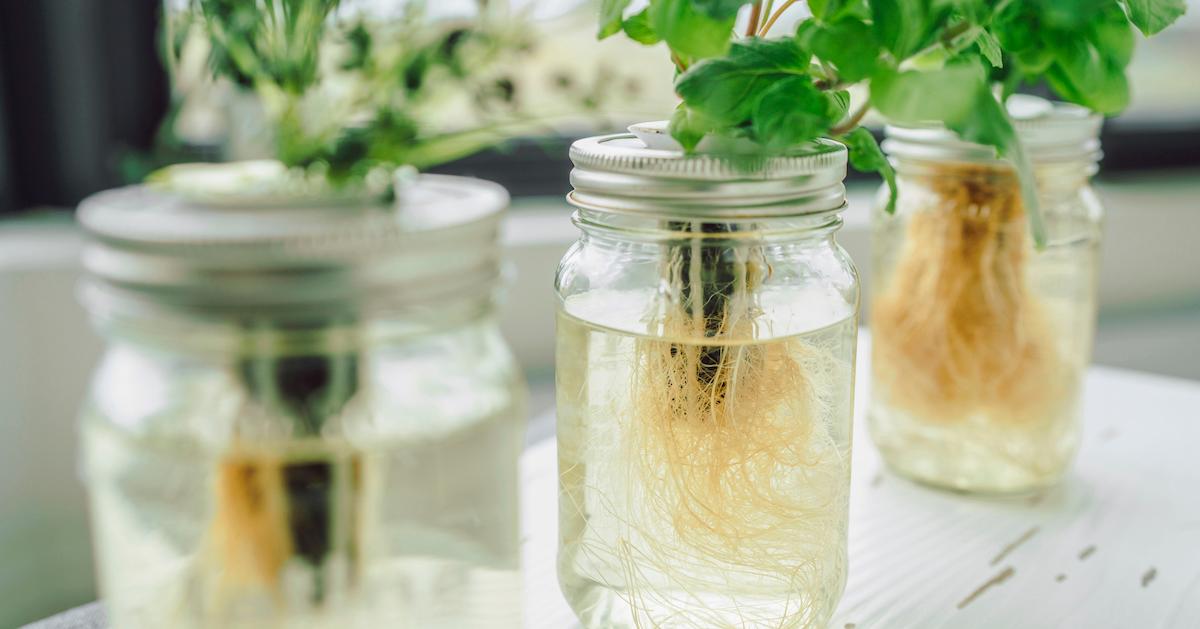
(638, 28)
(688, 31)
(987, 123)
(828, 10)
(611, 12)
(989, 47)
(720, 9)
(1089, 67)
(848, 44)
(900, 25)
(913, 97)
(793, 110)
(726, 89)
(1152, 16)
(688, 127)
(866, 157)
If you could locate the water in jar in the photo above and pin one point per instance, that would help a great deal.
(700, 497)
(410, 526)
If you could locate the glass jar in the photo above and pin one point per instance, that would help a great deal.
(305, 416)
(980, 340)
(705, 371)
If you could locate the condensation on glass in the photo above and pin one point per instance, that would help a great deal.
(705, 370)
(981, 339)
(305, 416)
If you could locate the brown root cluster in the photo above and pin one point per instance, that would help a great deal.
(957, 331)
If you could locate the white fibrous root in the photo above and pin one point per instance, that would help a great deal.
(736, 492)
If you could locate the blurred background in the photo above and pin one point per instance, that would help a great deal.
(83, 99)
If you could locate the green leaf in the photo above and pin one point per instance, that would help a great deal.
(848, 44)
(900, 25)
(913, 97)
(720, 9)
(727, 89)
(611, 12)
(987, 123)
(827, 10)
(1089, 67)
(989, 47)
(1152, 16)
(638, 28)
(792, 111)
(688, 127)
(866, 157)
(688, 31)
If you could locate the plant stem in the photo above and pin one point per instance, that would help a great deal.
(774, 18)
(755, 15)
(852, 121)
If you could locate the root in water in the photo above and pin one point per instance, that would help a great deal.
(956, 331)
(286, 505)
(737, 491)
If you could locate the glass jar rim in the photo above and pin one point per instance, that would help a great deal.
(1051, 132)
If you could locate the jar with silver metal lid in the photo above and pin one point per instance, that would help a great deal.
(980, 338)
(705, 371)
(306, 416)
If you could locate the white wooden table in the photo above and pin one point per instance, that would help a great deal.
(1117, 544)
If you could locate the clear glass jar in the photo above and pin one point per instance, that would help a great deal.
(305, 417)
(980, 340)
(705, 371)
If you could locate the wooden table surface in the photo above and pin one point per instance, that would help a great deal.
(1116, 545)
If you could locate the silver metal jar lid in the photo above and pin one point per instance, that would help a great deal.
(261, 257)
(645, 172)
(1050, 131)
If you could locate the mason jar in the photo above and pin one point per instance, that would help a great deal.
(980, 336)
(705, 379)
(305, 416)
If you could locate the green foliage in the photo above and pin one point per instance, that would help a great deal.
(1152, 16)
(611, 14)
(989, 47)
(691, 33)
(727, 89)
(1080, 47)
(720, 9)
(913, 97)
(348, 100)
(689, 126)
(793, 110)
(866, 156)
(848, 44)
(923, 61)
(275, 40)
(827, 10)
(638, 28)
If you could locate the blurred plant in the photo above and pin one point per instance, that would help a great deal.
(920, 60)
(347, 97)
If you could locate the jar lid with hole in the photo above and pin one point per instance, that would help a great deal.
(646, 171)
(198, 251)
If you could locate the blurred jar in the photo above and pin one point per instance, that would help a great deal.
(306, 416)
(705, 371)
(980, 340)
